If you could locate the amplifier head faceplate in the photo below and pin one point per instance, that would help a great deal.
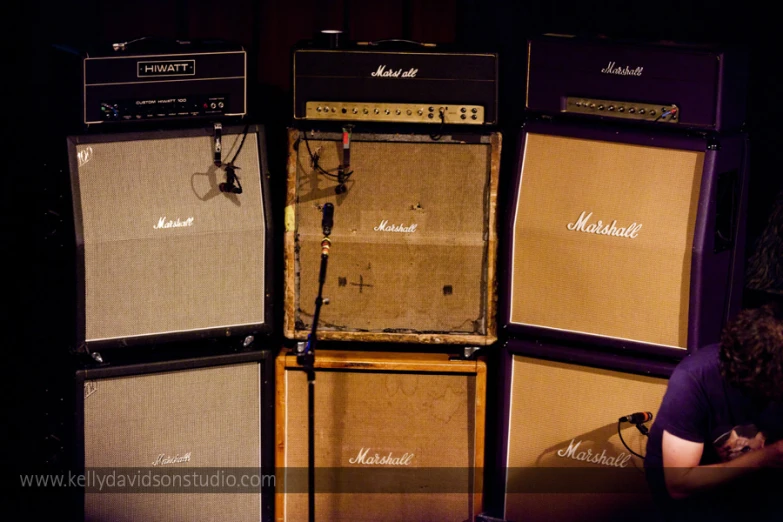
(157, 82)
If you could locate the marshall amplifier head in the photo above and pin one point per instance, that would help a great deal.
(151, 80)
(672, 85)
(372, 82)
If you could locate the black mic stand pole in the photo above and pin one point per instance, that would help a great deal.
(306, 359)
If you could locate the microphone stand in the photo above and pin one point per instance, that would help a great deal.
(306, 359)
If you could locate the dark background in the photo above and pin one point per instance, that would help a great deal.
(268, 29)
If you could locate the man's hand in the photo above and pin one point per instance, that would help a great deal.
(684, 476)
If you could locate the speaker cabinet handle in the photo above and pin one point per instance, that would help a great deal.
(726, 210)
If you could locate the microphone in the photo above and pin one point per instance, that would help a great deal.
(637, 418)
(225, 187)
(231, 178)
(328, 218)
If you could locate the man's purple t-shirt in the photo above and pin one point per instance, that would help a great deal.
(699, 406)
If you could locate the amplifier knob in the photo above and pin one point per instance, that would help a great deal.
(641, 111)
(377, 111)
(474, 110)
(410, 112)
(463, 110)
(463, 116)
(631, 110)
(421, 111)
(365, 111)
(344, 110)
(398, 112)
(355, 111)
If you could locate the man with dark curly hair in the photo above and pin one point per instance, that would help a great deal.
(719, 431)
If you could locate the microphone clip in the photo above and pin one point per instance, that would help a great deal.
(218, 144)
(341, 178)
(642, 429)
(344, 170)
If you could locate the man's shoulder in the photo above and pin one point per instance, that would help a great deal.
(701, 362)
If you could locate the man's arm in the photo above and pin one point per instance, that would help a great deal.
(684, 476)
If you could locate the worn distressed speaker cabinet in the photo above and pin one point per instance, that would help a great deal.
(177, 440)
(413, 244)
(624, 236)
(559, 449)
(397, 437)
(162, 253)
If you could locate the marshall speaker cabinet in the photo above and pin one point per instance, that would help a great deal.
(177, 440)
(384, 83)
(413, 245)
(567, 456)
(167, 246)
(625, 236)
(397, 437)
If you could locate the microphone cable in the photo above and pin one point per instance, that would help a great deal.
(231, 176)
(341, 177)
(640, 427)
(436, 136)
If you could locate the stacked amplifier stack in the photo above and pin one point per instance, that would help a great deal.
(623, 252)
(172, 283)
(395, 137)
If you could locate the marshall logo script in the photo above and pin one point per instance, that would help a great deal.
(162, 459)
(381, 460)
(175, 223)
(609, 229)
(386, 227)
(383, 72)
(167, 68)
(612, 68)
(572, 452)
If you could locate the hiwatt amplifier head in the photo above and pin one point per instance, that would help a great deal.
(153, 80)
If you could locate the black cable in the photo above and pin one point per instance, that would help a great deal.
(241, 143)
(342, 177)
(231, 169)
(438, 135)
(619, 432)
